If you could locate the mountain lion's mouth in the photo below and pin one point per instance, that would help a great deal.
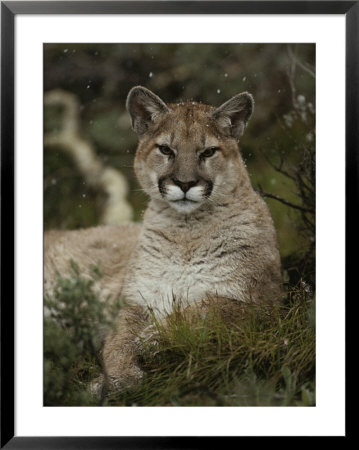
(184, 200)
(184, 205)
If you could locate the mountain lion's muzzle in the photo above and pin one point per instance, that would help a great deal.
(184, 196)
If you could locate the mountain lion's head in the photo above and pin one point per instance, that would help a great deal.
(188, 152)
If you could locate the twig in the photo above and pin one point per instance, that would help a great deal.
(304, 66)
(285, 202)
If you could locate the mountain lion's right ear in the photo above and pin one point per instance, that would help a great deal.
(144, 108)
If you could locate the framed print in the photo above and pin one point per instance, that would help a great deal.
(176, 185)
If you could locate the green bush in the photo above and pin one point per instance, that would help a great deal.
(76, 318)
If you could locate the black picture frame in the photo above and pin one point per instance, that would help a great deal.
(9, 10)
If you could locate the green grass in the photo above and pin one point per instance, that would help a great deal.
(265, 357)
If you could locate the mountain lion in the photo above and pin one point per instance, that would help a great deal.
(206, 236)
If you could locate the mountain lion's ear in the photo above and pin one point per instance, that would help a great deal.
(235, 113)
(144, 108)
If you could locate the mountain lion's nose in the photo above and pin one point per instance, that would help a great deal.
(184, 185)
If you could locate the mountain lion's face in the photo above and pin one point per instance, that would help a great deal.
(188, 152)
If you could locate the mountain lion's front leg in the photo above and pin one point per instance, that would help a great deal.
(120, 352)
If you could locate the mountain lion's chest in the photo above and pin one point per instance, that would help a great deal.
(162, 274)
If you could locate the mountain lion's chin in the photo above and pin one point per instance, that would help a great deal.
(184, 206)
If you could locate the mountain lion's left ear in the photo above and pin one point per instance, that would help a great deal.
(235, 113)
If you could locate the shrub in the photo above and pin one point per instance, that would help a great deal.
(77, 315)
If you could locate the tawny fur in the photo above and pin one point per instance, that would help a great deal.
(206, 233)
(109, 247)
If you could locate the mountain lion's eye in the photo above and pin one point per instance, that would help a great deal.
(165, 150)
(210, 151)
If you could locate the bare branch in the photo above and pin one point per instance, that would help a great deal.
(116, 209)
(282, 200)
(304, 66)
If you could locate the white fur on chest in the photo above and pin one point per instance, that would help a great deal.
(168, 283)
